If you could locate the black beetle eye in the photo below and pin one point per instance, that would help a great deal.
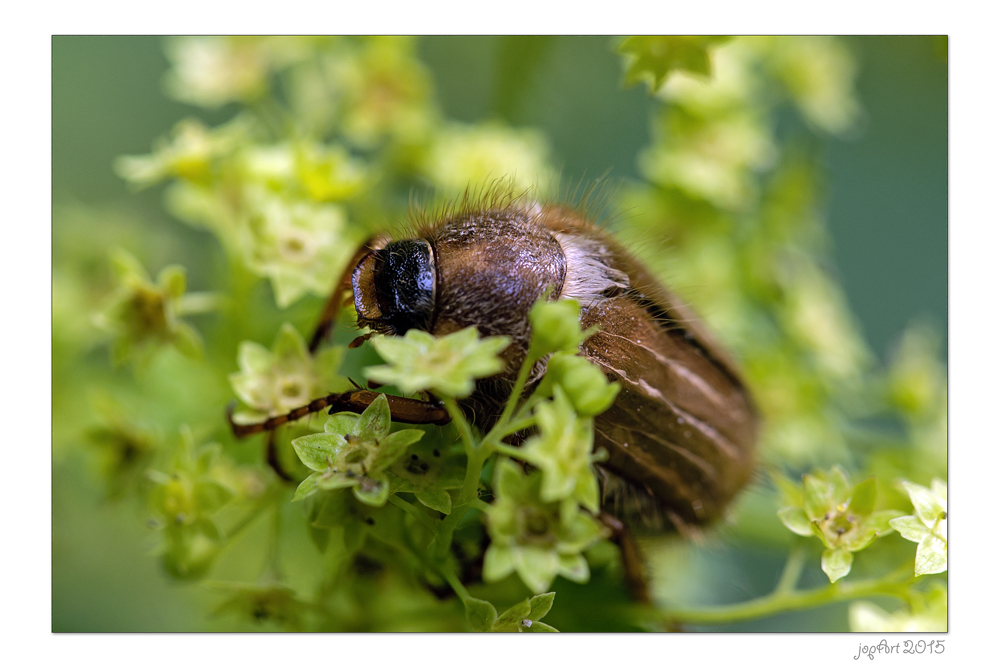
(404, 285)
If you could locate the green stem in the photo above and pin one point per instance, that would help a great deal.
(793, 569)
(508, 450)
(515, 394)
(464, 430)
(478, 504)
(781, 601)
(415, 512)
(455, 584)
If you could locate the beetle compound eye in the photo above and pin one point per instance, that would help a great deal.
(404, 285)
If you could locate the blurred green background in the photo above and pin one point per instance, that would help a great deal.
(886, 211)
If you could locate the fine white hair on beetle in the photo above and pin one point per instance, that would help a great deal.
(588, 277)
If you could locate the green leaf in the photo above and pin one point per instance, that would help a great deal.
(436, 500)
(331, 481)
(393, 446)
(795, 520)
(498, 563)
(816, 497)
(537, 567)
(289, 346)
(574, 567)
(932, 555)
(173, 280)
(480, 614)
(928, 507)
(374, 422)
(308, 487)
(511, 620)
(654, 58)
(863, 497)
(910, 527)
(523, 616)
(881, 521)
(342, 423)
(839, 486)
(318, 450)
(540, 605)
(836, 563)
(537, 626)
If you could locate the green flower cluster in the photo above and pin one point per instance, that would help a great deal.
(144, 316)
(842, 516)
(354, 452)
(188, 499)
(276, 381)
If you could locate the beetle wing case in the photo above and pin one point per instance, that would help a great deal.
(680, 436)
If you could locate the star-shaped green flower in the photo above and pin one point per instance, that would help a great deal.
(447, 366)
(276, 381)
(538, 540)
(354, 452)
(840, 515)
(144, 316)
(929, 528)
(653, 58)
(300, 246)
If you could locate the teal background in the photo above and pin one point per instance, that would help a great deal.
(887, 212)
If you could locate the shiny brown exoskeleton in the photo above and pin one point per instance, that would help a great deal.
(680, 435)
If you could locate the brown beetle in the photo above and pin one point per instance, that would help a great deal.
(680, 435)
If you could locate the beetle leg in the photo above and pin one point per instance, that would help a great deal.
(635, 569)
(405, 410)
(271, 454)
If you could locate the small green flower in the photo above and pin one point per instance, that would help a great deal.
(355, 451)
(186, 500)
(538, 540)
(446, 365)
(191, 154)
(653, 58)
(840, 515)
(144, 316)
(928, 613)
(276, 381)
(929, 528)
(562, 451)
(300, 246)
